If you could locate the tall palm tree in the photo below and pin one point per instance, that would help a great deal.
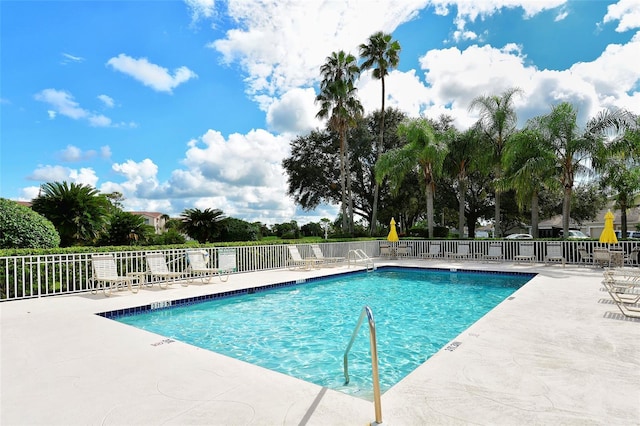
(529, 168)
(463, 149)
(78, 211)
(202, 225)
(618, 160)
(381, 54)
(570, 147)
(338, 103)
(497, 121)
(425, 150)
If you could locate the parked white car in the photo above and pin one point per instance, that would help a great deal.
(576, 235)
(519, 237)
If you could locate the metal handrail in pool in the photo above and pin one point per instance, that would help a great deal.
(374, 359)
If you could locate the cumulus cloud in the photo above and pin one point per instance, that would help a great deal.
(154, 76)
(294, 112)
(242, 175)
(86, 176)
(626, 12)
(63, 103)
(282, 44)
(454, 77)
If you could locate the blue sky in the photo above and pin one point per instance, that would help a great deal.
(182, 104)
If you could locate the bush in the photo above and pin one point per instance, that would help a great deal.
(21, 227)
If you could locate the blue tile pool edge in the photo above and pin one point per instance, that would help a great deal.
(167, 304)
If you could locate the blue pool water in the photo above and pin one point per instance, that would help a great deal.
(303, 330)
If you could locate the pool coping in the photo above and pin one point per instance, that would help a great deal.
(556, 353)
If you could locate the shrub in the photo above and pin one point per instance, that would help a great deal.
(21, 227)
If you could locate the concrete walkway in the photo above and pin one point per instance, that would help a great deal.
(557, 352)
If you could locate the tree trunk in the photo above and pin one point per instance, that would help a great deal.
(349, 194)
(430, 210)
(343, 184)
(374, 220)
(462, 189)
(566, 210)
(497, 226)
(623, 217)
(535, 215)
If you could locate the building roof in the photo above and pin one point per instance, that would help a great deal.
(149, 214)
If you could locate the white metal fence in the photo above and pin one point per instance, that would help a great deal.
(36, 276)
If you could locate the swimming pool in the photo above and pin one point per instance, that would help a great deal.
(302, 330)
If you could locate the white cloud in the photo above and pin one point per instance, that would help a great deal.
(294, 112)
(106, 100)
(151, 75)
(242, 175)
(282, 44)
(73, 154)
(105, 151)
(68, 58)
(627, 12)
(86, 176)
(201, 9)
(63, 103)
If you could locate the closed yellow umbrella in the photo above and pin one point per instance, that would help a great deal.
(608, 236)
(393, 235)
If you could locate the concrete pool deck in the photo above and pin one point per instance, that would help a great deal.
(557, 352)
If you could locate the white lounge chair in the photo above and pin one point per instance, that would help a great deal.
(625, 298)
(298, 262)
(495, 253)
(464, 252)
(159, 272)
(527, 254)
(586, 258)
(385, 251)
(403, 250)
(199, 267)
(554, 253)
(601, 257)
(433, 253)
(105, 275)
(317, 252)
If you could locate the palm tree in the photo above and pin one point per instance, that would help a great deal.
(459, 163)
(382, 54)
(338, 103)
(126, 229)
(78, 211)
(425, 150)
(529, 168)
(497, 122)
(618, 161)
(570, 147)
(202, 225)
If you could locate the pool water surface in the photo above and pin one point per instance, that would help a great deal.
(303, 330)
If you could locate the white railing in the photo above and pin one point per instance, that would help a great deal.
(36, 276)
(46, 275)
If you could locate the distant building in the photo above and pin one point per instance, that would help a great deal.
(551, 228)
(155, 219)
